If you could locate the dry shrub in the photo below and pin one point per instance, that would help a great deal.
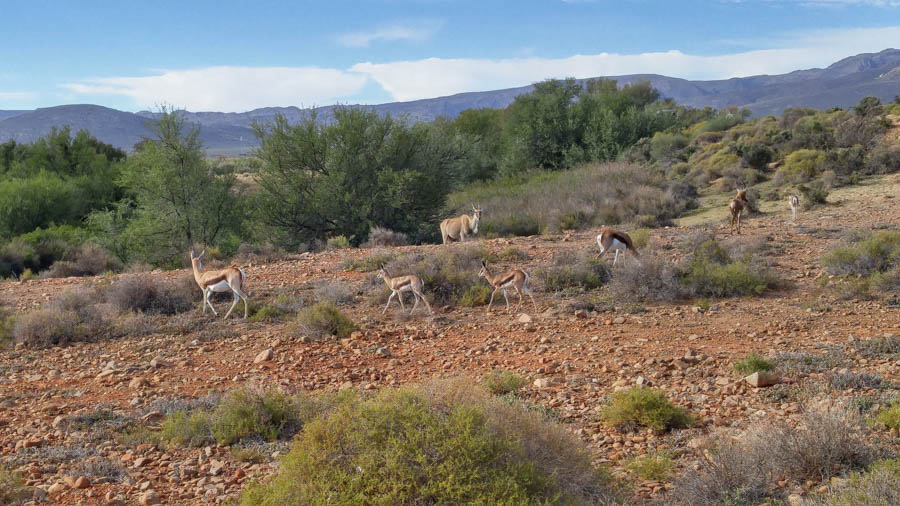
(383, 237)
(648, 279)
(448, 273)
(827, 442)
(73, 316)
(153, 294)
(581, 271)
(324, 319)
(86, 260)
(336, 292)
(259, 253)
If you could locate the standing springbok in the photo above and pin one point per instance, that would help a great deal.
(461, 227)
(229, 279)
(515, 278)
(795, 204)
(400, 284)
(736, 206)
(611, 238)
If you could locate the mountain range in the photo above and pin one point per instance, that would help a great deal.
(841, 84)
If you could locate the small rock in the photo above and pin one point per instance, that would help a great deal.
(524, 318)
(346, 385)
(795, 500)
(762, 379)
(136, 383)
(148, 498)
(153, 417)
(641, 381)
(56, 488)
(384, 352)
(40, 495)
(618, 320)
(82, 482)
(158, 363)
(543, 382)
(32, 442)
(264, 356)
(581, 314)
(141, 461)
(215, 467)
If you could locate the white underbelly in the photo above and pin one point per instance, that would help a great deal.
(615, 244)
(221, 286)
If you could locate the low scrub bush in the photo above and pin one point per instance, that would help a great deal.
(655, 467)
(86, 260)
(336, 292)
(371, 262)
(503, 382)
(879, 484)
(805, 363)
(475, 295)
(440, 443)
(890, 417)
(751, 364)
(337, 242)
(878, 347)
(448, 273)
(711, 272)
(652, 279)
(73, 316)
(277, 309)
(382, 237)
(12, 487)
(324, 319)
(512, 254)
(827, 442)
(579, 272)
(868, 263)
(259, 253)
(648, 407)
(814, 194)
(857, 380)
(151, 294)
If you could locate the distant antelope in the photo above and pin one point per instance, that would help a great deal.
(400, 284)
(795, 204)
(461, 227)
(611, 238)
(736, 206)
(515, 278)
(229, 279)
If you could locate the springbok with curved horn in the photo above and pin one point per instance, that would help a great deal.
(516, 278)
(229, 279)
(400, 284)
(461, 227)
(614, 239)
(795, 205)
(736, 206)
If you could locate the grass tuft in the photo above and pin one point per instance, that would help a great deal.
(641, 406)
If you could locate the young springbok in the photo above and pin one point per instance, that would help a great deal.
(400, 284)
(516, 278)
(795, 204)
(461, 227)
(229, 279)
(736, 206)
(611, 238)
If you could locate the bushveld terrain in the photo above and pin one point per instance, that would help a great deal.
(75, 420)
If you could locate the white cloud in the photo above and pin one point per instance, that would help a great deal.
(413, 30)
(433, 77)
(229, 88)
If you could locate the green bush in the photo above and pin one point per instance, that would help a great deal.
(337, 242)
(877, 253)
(814, 194)
(581, 272)
(442, 443)
(187, 428)
(641, 406)
(511, 254)
(711, 272)
(890, 417)
(879, 484)
(500, 382)
(475, 295)
(751, 364)
(324, 319)
(12, 488)
(449, 274)
(655, 467)
(370, 262)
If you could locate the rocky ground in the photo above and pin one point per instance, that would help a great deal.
(575, 358)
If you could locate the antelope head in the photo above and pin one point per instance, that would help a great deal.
(483, 272)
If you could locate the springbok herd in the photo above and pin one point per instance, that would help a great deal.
(456, 229)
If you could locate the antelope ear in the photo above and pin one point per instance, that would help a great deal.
(202, 253)
(192, 254)
(483, 263)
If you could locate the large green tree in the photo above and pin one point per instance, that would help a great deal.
(360, 170)
(178, 199)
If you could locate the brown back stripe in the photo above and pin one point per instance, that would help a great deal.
(401, 285)
(507, 279)
(212, 281)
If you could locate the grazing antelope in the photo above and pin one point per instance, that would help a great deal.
(795, 204)
(736, 206)
(515, 278)
(617, 240)
(461, 227)
(400, 284)
(229, 279)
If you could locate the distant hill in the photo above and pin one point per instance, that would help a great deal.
(841, 84)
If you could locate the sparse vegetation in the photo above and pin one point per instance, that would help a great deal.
(751, 364)
(879, 484)
(337, 242)
(642, 406)
(324, 319)
(371, 262)
(12, 488)
(85, 260)
(884, 346)
(151, 295)
(336, 292)
(656, 467)
(573, 272)
(449, 274)
(500, 382)
(442, 442)
(868, 263)
(383, 237)
(890, 417)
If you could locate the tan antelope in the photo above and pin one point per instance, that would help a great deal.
(515, 278)
(736, 206)
(229, 279)
(613, 239)
(400, 284)
(461, 227)
(795, 204)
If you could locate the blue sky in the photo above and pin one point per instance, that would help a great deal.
(239, 55)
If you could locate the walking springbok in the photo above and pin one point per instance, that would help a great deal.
(461, 227)
(229, 279)
(795, 204)
(613, 239)
(400, 284)
(516, 278)
(736, 206)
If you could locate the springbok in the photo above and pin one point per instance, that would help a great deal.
(611, 238)
(229, 279)
(736, 206)
(795, 204)
(400, 284)
(461, 227)
(515, 278)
